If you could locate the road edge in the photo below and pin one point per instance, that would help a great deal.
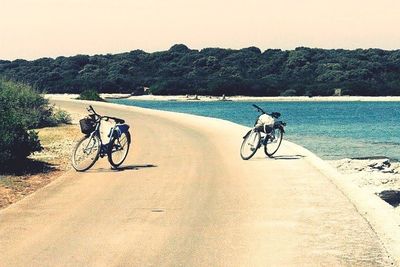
(379, 214)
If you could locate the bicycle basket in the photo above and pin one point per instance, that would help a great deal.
(87, 125)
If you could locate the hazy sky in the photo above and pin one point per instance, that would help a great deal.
(38, 28)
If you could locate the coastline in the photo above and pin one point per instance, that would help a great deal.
(238, 98)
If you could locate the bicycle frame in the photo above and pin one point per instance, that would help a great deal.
(115, 131)
(103, 146)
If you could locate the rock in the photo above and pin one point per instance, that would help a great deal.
(387, 170)
(383, 166)
(384, 181)
(380, 164)
(390, 196)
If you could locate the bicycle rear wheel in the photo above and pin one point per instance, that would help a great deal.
(86, 153)
(274, 142)
(118, 149)
(250, 145)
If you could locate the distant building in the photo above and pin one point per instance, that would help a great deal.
(338, 92)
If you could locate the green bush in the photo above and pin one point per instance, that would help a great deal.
(30, 108)
(90, 95)
(57, 116)
(289, 92)
(61, 116)
(21, 109)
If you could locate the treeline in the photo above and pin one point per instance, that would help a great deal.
(215, 71)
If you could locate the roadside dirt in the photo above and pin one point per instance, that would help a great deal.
(42, 167)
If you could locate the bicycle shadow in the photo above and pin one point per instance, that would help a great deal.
(125, 168)
(280, 157)
(288, 157)
(134, 167)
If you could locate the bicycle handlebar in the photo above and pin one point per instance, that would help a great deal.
(259, 109)
(117, 120)
(90, 109)
(273, 114)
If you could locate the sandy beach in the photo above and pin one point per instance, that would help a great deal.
(235, 98)
(188, 199)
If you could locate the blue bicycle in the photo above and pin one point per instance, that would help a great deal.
(88, 149)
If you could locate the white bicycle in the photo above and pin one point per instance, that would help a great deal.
(267, 132)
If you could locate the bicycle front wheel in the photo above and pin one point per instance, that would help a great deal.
(250, 145)
(274, 142)
(86, 153)
(118, 149)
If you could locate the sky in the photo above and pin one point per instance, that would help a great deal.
(31, 29)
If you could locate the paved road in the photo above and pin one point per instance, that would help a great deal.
(185, 198)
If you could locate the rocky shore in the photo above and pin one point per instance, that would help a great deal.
(377, 176)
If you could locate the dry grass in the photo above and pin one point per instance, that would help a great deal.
(57, 143)
(43, 167)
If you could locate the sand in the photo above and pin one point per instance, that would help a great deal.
(236, 98)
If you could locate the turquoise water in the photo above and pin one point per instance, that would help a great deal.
(332, 130)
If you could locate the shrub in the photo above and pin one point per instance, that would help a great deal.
(30, 108)
(90, 95)
(61, 116)
(21, 108)
(57, 116)
(289, 92)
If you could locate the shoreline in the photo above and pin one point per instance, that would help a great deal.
(202, 98)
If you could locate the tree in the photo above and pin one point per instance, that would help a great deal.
(246, 71)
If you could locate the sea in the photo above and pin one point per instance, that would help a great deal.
(332, 130)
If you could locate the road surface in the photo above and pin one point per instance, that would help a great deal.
(184, 197)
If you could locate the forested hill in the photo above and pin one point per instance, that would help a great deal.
(216, 71)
